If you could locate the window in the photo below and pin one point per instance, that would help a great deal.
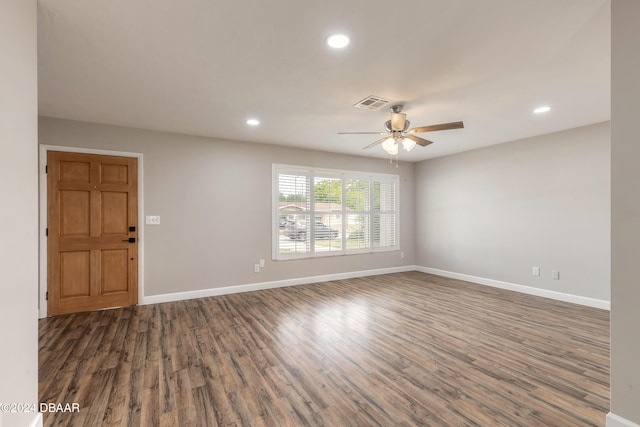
(320, 212)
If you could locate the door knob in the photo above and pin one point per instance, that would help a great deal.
(130, 240)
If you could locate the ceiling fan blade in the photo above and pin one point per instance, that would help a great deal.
(397, 121)
(362, 133)
(432, 128)
(420, 141)
(373, 144)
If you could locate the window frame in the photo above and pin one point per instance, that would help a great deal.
(311, 173)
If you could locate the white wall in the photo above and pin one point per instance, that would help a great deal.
(496, 212)
(214, 200)
(625, 214)
(18, 214)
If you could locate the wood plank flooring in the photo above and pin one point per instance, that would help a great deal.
(405, 349)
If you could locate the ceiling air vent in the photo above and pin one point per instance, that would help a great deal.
(372, 103)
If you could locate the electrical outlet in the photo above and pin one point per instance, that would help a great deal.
(261, 263)
(401, 254)
(555, 275)
(152, 220)
(256, 268)
(535, 271)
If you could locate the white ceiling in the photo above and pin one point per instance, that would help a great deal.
(202, 67)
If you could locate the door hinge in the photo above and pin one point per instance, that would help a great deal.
(46, 168)
(46, 296)
(46, 231)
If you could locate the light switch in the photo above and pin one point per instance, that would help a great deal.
(152, 220)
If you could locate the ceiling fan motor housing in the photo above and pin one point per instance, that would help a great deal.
(399, 124)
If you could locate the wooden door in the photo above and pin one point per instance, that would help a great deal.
(92, 232)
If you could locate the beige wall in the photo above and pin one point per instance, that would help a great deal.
(625, 213)
(18, 214)
(214, 200)
(496, 212)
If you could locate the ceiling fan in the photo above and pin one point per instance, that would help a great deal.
(398, 132)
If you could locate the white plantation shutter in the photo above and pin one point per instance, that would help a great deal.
(328, 213)
(294, 200)
(384, 213)
(320, 212)
(358, 195)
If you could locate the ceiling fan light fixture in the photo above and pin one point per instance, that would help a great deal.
(390, 146)
(337, 41)
(408, 144)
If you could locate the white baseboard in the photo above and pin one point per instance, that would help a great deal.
(179, 296)
(614, 420)
(37, 421)
(576, 299)
(9, 422)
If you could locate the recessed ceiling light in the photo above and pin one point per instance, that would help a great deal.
(337, 41)
(542, 109)
(253, 122)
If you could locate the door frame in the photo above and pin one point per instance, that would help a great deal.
(42, 216)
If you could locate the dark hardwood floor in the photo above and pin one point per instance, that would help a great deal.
(405, 349)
